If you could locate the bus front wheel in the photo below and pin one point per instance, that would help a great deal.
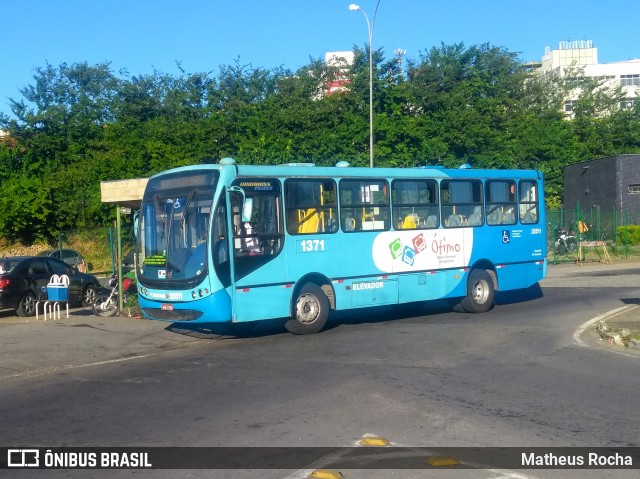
(311, 311)
(480, 292)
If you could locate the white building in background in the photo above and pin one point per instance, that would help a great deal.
(343, 61)
(339, 59)
(582, 54)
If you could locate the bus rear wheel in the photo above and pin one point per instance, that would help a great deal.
(480, 292)
(311, 311)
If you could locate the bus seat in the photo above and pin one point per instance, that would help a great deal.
(349, 223)
(454, 220)
(529, 217)
(495, 217)
(508, 218)
(409, 223)
(475, 218)
(309, 221)
(432, 221)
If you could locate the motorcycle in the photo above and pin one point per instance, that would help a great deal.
(107, 305)
(566, 242)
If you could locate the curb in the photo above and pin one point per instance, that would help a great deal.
(577, 336)
(601, 317)
(622, 330)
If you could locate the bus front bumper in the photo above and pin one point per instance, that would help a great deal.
(215, 308)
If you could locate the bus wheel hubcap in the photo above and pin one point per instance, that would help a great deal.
(307, 309)
(480, 292)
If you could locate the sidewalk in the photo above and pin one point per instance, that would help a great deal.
(620, 273)
(32, 347)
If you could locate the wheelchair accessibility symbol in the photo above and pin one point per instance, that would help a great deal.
(506, 236)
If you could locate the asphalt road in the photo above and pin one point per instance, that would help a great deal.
(514, 376)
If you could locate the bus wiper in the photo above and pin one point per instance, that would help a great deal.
(186, 207)
(156, 204)
(188, 202)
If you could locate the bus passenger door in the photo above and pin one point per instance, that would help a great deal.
(259, 290)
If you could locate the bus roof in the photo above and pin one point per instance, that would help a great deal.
(310, 170)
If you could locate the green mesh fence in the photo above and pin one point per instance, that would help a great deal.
(591, 234)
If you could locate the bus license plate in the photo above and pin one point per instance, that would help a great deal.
(167, 307)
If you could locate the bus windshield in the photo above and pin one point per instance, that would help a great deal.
(174, 225)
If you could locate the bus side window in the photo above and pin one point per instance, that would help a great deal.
(415, 204)
(461, 203)
(364, 205)
(528, 207)
(311, 206)
(501, 202)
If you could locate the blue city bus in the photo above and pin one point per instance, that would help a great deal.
(229, 243)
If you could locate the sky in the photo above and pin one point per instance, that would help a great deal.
(143, 36)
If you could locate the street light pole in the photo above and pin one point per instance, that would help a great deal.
(356, 8)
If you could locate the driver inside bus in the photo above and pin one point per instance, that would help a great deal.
(250, 243)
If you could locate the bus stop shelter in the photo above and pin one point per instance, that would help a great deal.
(126, 196)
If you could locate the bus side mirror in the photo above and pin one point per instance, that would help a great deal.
(136, 216)
(247, 203)
(247, 210)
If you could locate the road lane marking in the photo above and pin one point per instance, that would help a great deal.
(442, 461)
(434, 461)
(320, 464)
(374, 441)
(325, 474)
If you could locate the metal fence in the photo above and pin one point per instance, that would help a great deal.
(592, 234)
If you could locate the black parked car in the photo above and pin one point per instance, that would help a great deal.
(22, 279)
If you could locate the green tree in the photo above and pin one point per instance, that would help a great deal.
(79, 124)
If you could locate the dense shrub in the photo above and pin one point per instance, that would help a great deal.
(629, 235)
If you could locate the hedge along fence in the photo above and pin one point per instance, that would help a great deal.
(628, 235)
(618, 230)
